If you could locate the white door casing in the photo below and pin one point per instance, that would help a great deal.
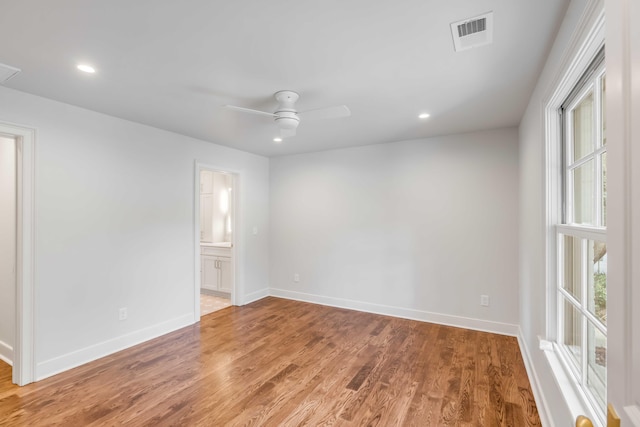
(623, 128)
(7, 247)
(24, 349)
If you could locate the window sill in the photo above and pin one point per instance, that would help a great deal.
(575, 398)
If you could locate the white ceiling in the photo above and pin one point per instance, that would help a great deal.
(173, 64)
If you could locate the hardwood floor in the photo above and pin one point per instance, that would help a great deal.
(285, 363)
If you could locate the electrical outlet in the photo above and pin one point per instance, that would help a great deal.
(484, 300)
(296, 277)
(122, 313)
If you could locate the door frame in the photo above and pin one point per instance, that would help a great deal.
(623, 287)
(237, 258)
(23, 371)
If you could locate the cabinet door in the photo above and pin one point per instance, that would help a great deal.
(226, 274)
(209, 272)
(206, 218)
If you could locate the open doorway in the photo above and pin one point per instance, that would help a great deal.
(217, 212)
(18, 146)
(8, 234)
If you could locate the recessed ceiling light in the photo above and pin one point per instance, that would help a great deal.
(277, 139)
(86, 68)
(424, 116)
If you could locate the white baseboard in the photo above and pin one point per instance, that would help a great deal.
(534, 380)
(211, 292)
(6, 353)
(405, 313)
(255, 296)
(80, 357)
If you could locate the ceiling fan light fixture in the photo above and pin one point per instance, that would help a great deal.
(287, 122)
(86, 68)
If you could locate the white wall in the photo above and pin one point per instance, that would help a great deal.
(115, 227)
(7, 247)
(423, 226)
(532, 219)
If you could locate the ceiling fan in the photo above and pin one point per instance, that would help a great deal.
(288, 118)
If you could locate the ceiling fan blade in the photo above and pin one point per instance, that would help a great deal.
(286, 133)
(249, 110)
(326, 113)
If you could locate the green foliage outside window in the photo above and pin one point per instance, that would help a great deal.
(600, 294)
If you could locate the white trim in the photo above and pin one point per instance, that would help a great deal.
(623, 108)
(586, 42)
(197, 274)
(6, 353)
(552, 213)
(255, 296)
(536, 386)
(581, 231)
(580, 50)
(89, 354)
(574, 397)
(404, 313)
(24, 348)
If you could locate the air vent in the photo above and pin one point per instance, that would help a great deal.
(6, 72)
(472, 32)
(472, 27)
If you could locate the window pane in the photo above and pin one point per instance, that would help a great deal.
(583, 138)
(603, 110)
(597, 279)
(573, 333)
(571, 266)
(597, 364)
(603, 183)
(583, 194)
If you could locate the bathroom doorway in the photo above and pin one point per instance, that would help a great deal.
(216, 220)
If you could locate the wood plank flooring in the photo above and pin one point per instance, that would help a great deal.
(285, 363)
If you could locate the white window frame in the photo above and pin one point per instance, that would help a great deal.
(568, 165)
(568, 227)
(583, 49)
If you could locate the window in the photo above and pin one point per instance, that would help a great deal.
(581, 235)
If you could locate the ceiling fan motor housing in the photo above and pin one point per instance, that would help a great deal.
(287, 120)
(286, 115)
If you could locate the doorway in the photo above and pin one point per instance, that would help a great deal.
(8, 232)
(21, 142)
(216, 252)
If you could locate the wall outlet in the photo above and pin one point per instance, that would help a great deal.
(122, 314)
(484, 300)
(296, 277)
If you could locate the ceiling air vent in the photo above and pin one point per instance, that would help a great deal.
(6, 72)
(472, 32)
